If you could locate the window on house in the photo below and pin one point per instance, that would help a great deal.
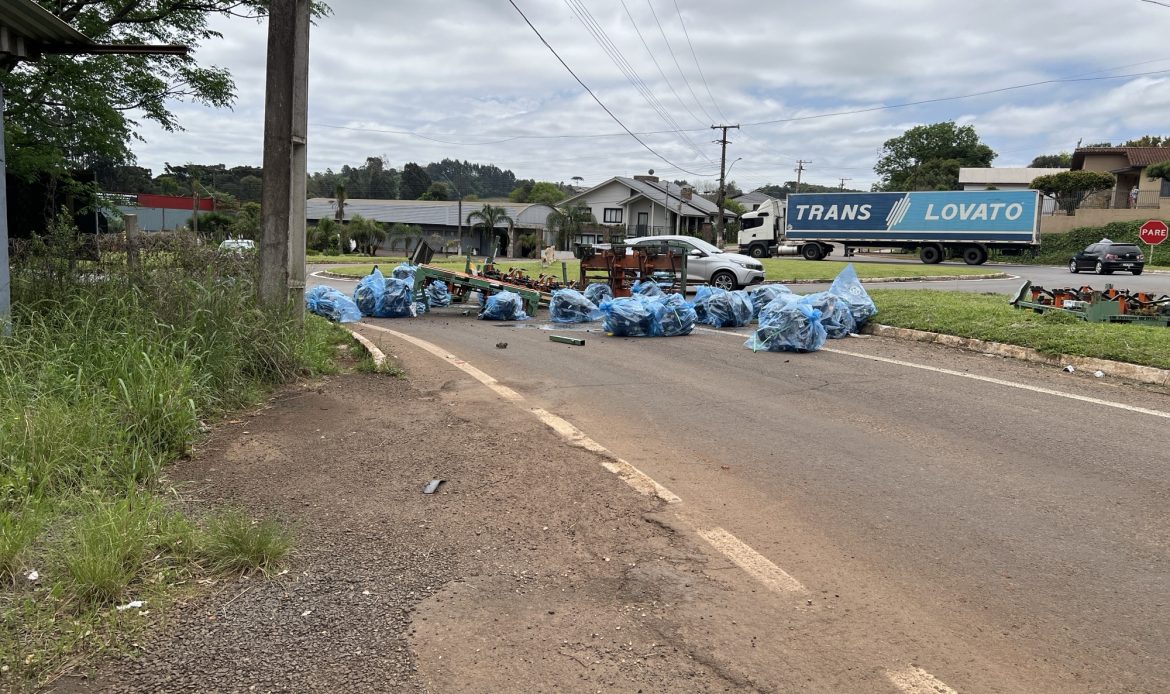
(1165, 189)
(612, 215)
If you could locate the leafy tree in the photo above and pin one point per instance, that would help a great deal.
(415, 182)
(521, 192)
(1160, 170)
(246, 224)
(733, 207)
(340, 196)
(1148, 141)
(323, 236)
(568, 221)
(545, 193)
(928, 157)
(437, 191)
(1070, 188)
(1052, 161)
(367, 234)
(406, 232)
(488, 219)
(529, 245)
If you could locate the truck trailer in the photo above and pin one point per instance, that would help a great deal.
(965, 224)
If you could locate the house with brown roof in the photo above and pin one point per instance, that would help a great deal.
(1132, 189)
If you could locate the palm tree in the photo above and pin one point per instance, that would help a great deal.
(489, 217)
(406, 232)
(339, 194)
(367, 233)
(567, 221)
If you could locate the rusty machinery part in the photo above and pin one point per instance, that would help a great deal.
(517, 276)
(1128, 302)
(620, 268)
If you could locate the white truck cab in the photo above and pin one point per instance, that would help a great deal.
(761, 231)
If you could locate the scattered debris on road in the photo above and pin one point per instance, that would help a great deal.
(567, 340)
(432, 486)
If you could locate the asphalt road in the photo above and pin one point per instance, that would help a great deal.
(1003, 538)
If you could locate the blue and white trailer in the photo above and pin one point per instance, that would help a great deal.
(965, 224)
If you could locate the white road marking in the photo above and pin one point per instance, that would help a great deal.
(319, 276)
(976, 377)
(751, 561)
(915, 680)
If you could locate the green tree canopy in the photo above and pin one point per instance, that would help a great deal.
(1160, 170)
(415, 182)
(367, 234)
(437, 191)
(1070, 188)
(545, 193)
(928, 157)
(489, 218)
(1148, 141)
(568, 221)
(1052, 161)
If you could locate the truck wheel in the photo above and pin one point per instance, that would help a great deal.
(812, 251)
(931, 254)
(758, 251)
(723, 280)
(974, 255)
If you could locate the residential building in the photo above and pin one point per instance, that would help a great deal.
(752, 201)
(1005, 178)
(646, 206)
(1128, 165)
(161, 212)
(439, 218)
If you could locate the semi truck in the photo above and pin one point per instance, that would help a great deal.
(963, 224)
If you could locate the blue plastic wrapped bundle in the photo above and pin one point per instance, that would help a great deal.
(598, 292)
(835, 313)
(327, 302)
(848, 287)
(673, 315)
(788, 326)
(647, 287)
(398, 299)
(571, 306)
(369, 291)
(722, 309)
(763, 294)
(629, 316)
(504, 306)
(404, 271)
(419, 307)
(437, 294)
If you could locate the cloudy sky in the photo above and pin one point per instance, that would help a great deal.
(468, 79)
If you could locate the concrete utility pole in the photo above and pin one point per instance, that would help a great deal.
(5, 282)
(842, 187)
(286, 91)
(799, 170)
(722, 180)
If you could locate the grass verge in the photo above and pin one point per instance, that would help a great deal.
(989, 317)
(775, 269)
(107, 377)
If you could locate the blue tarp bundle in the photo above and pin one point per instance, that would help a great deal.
(849, 288)
(504, 306)
(763, 294)
(327, 302)
(571, 306)
(437, 294)
(645, 316)
(598, 292)
(647, 287)
(788, 326)
(835, 313)
(723, 309)
(379, 297)
(404, 271)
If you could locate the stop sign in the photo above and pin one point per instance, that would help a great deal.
(1154, 232)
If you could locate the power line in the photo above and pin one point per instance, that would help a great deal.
(696, 57)
(631, 74)
(660, 70)
(674, 57)
(586, 88)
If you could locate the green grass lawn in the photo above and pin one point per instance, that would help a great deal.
(990, 317)
(775, 269)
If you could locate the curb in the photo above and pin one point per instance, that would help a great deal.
(376, 354)
(1132, 372)
(879, 280)
(336, 276)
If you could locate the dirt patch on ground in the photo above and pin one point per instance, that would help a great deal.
(530, 565)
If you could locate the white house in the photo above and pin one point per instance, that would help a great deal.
(1006, 179)
(646, 206)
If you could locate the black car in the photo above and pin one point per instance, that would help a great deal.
(1106, 256)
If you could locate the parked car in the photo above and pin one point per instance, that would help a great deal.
(237, 245)
(708, 264)
(1105, 256)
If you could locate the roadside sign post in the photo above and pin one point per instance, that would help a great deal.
(1153, 233)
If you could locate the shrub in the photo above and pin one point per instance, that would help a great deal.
(235, 543)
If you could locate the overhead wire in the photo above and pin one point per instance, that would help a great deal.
(670, 49)
(661, 72)
(590, 91)
(697, 65)
(631, 74)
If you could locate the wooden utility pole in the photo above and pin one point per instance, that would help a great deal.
(719, 197)
(285, 108)
(842, 187)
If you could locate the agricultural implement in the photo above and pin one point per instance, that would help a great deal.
(1109, 305)
(620, 266)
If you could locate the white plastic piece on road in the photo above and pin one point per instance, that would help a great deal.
(1099, 374)
(33, 575)
(1069, 369)
(915, 680)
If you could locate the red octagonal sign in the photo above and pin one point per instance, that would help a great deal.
(1154, 232)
